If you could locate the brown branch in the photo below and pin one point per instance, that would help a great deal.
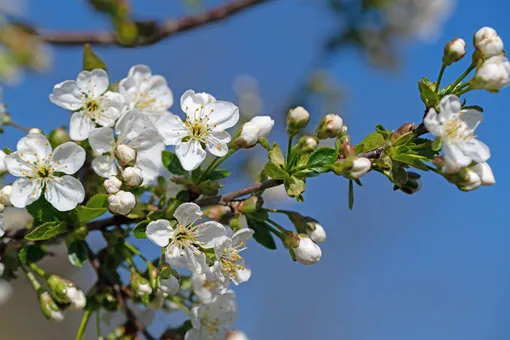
(158, 31)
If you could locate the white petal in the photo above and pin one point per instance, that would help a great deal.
(18, 166)
(64, 193)
(104, 166)
(476, 150)
(139, 72)
(485, 172)
(449, 105)
(111, 109)
(172, 129)
(187, 213)
(160, 232)
(131, 124)
(159, 96)
(175, 256)
(190, 100)
(221, 244)
(208, 231)
(456, 155)
(190, 154)
(216, 143)
(241, 236)
(33, 147)
(25, 191)
(222, 281)
(432, 123)
(101, 140)
(80, 126)
(93, 83)
(222, 115)
(244, 274)
(195, 260)
(472, 118)
(68, 158)
(67, 95)
(150, 162)
(169, 286)
(2, 226)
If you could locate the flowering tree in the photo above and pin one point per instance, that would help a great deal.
(128, 166)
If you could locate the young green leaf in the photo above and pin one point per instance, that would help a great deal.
(322, 156)
(139, 231)
(172, 164)
(46, 231)
(274, 171)
(77, 253)
(427, 93)
(370, 142)
(218, 174)
(98, 201)
(294, 186)
(86, 214)
(262, 234)
(31, 254)
(275, 156)
(90, 59)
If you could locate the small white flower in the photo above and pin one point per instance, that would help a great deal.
(229, 265)
(169, 286)
(35, 163)
(147, 92)
(488, 42)
(112, 185)
(307, 252)
(318, 234)
(484, 171)
(206, 122)
(456, 127)
(137, 138)
(3, 167)
(330, 126)
(494, 74)
(184, 242)
(212, 320)
(5, 194)
(88, 93)
(122, 202)
(251, 131)
(132, 176)
(361, 166)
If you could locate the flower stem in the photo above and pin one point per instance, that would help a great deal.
(18, 126)
(452, 87)
(469, 88)
(39, 271)
(281, 229)
(33, 280)
(83, 324)
(289, 148)
(98, 324)
(440, 77)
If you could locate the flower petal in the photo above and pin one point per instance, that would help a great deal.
(111, 109)
(80, 126)
(187, 213)
(175, 256)
(221, 244)
(208, 231)
(68, 158)
(18, 166)
(476, 150)
(139, 72)
(195, 260)
(432, 123)
(64, 193)
(449, 105)
(472, 118)
(25, 191)
(150, 162)
(191, 101)
(455, 154)
(216, 143)
(101, 140)
(34, 147)
(222, 115)
(241, 236)
(160, 232)
(93, 83)
(192, 333)
(244, 274)
(190, 154)
(67, 95)
(172, 129)
(104, 166)
(131, 124)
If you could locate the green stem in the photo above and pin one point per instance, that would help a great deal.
(33, 280)
(440, 77)
(281, 229)
(17, 126)
(452, 87)
(98, 324)
(464, 91)
(39, 271)
(178, 301)
(83, 324)
(289, 149)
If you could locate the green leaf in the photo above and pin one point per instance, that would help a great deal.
(42, 211)
(139, 231)
(370, 142)
(31, 254)
(98, 201)
(46, 231)
(275, 155)
(351, 194)
(427, 93)
(90, 59)
(196, 174)
(86, 214)
(218, 174)
(399, 174)
(262, 234)
(322, 156)
(260, 215)
(172, 163)
(437, 144)
(156, 215)
(294, 186)
(274, 171)
(77, 253)
(411, 160)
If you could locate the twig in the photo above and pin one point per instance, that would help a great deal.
(160, 30)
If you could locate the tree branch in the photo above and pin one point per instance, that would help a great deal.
(158, 31)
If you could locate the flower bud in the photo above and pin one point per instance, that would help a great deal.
(488, 42)
(307, 144)
(306, 252)
(330, 126)
(112, 185)
(454, 51)
(3, 168)
(58, 136)
(65, 291)
(315, 231)
(494, 74)
(264, 123)
(252, 204)
(125, 155)
(132, 176)
(169, 286)
(139, 284)
(50, 308)
(5, 195)
(361, 166)
(413, 184)
(248, 137)
(484, 171)
(297, 119)
(35, 130)
(235, 334)
(470, 180)
(121, 203)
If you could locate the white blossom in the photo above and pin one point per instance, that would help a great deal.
(361, 166)
(307, 252)
(454, 51)
(132, 176)
(212, 320)
(456, 127)
(229, 265)
(3, 167)
(206, 122)
(488, 42)
(183, 243)
(318, 234)
(89, 94)
(122, 202)
(35, 163)
(135, 133)
(5, 194)
(147, 92)
(112, 185)
(205, 286)
(169, 286)
(494, 74)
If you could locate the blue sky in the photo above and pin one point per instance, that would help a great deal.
(429, 266)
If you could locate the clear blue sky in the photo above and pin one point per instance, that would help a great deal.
(430, 266)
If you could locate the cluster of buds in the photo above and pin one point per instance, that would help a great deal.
(308, 225)
(120, 201)
(302, 249)
(66, 292)
(49, 308)
(252, 131)
(468, 178)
